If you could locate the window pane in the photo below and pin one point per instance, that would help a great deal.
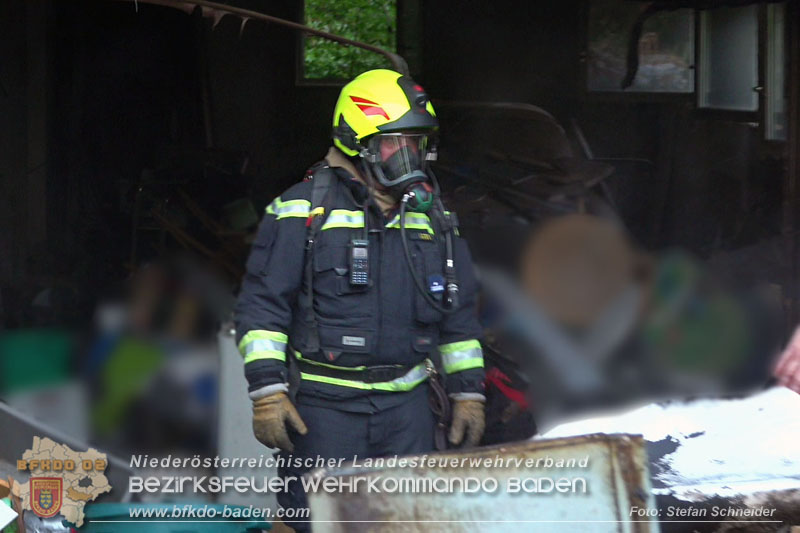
(666, 48)
(776, 83)
(728, 70)
(369, 21)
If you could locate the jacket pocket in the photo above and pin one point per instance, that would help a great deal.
(428, 264)
(425, 341)
(334, 297)
(345, 346)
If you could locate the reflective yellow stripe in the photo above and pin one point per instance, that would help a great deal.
(458, 356)
(406, 382)
(289, 208)
(320, 363)
(411, 379)
(335, 381)
(460, 346)
(343, 218)
(263, 344)
(413, 221)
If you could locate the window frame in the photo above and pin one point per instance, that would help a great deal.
(623, 96)
(777, 145)
(772, 148)
(300, 78)
(754, 117)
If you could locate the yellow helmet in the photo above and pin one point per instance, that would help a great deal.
(380, 101)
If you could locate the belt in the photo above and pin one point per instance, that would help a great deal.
(370, 374)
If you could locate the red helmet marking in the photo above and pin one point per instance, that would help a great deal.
(373, 110)
(369, 107)
(360, 100)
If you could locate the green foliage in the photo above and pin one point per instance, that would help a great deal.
(369, 21)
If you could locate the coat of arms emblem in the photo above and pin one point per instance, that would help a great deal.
(46, 495)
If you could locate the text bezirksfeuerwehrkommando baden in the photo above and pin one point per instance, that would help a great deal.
(356, 483)
(471, 477)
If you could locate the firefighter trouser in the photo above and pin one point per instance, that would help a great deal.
(403, 429)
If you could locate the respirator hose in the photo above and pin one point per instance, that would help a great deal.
(420, 286)
(451, 282)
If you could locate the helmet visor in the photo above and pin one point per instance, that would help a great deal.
(400, 154)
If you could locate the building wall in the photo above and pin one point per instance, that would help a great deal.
(257, 106)
(95, 92)
(24, 114)
(710, 185)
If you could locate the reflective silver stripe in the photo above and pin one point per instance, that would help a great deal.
(342, 218)
(264, 345)
(451, 359)
(462, 355)
(413, 377)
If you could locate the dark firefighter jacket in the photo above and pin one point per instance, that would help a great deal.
(388, 323)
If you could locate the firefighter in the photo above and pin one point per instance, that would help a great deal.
(359, 300)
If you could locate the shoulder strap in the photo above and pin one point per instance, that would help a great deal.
(323, 184)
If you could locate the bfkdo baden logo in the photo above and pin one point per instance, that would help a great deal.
(62, 480)
(46, 495)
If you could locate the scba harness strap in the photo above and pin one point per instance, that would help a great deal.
(323, 179)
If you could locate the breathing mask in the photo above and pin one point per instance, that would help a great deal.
(399, 163)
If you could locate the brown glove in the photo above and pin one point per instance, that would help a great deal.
(467, 415)
(269, 421)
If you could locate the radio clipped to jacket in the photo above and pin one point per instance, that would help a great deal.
(359, 262)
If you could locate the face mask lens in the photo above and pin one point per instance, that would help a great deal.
(384, 146)
(399, 154)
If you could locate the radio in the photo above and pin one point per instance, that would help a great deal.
(359, 262)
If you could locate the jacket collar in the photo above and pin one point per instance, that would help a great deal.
(336, 159)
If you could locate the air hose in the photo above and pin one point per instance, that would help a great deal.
(444, 223)
(451, 291)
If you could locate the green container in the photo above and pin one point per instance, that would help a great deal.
(33, 358)
(99, 516)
